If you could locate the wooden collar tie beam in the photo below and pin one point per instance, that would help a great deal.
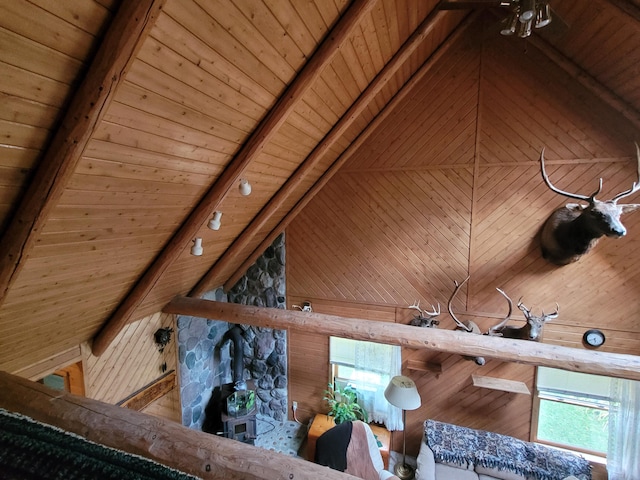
(508, 350)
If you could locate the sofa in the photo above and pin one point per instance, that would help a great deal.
(452, 452)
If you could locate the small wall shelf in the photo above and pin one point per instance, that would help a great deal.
(421, 366)
(503, 384)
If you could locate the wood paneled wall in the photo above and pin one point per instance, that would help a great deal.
(167, 406)
(131, 362)
(449, 185)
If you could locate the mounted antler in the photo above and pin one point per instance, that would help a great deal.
(571, 231)
(425, 313)
(424, 318)
(545, 177)
(496, 329)
(469, 326)
(635, 186)
(461, 326)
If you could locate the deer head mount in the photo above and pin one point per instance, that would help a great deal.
(571, 231)
(425, 318)
(530, 331)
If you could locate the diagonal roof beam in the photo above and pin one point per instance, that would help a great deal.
(322, 181)
(587, 81)
(379, 82)
(631, 8)
(232, 173)
(128, 29)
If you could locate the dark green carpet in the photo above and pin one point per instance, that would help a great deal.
(32, 450)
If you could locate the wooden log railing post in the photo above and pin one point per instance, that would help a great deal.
(169, 443)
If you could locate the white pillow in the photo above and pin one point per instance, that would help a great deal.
(426, 469)
(374, 450)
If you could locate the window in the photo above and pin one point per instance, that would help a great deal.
(573, 410)
(367, 367)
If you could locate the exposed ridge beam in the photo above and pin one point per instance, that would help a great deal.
(232, 173)
(322, 181)
(351, 115)
(451, 341)
(587, 81)
(127, 31)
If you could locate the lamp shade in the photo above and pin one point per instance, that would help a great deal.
(402, 393)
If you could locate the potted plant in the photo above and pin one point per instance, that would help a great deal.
(343, 404)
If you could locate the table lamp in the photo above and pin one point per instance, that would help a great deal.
(402, 393)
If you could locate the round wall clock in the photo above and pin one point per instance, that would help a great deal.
(593, 338)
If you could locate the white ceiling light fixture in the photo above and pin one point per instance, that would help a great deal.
(524, 29)
(543, 15)
(510, 24)
(245, 187)
(196, 249)
(214, 223)
(527, 11)
(526, 15)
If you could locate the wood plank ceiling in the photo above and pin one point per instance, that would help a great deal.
(124, 128)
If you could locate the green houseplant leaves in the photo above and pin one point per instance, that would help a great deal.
(343, 404)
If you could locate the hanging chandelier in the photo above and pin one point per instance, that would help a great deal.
(526, 15)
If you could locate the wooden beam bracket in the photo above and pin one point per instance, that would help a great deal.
(428, 367)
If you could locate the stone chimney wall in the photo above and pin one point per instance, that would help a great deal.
(204, 362)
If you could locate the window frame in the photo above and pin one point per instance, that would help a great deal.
(367, 386)
(560, 397)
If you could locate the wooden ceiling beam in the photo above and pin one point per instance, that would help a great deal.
(451, 341)
(128, 29)
(166, 442)
(631, 8)
(587, 81)
(351, 115)
(383, 77)
(232, 174)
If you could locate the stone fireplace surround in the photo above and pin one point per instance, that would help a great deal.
(205, 360)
